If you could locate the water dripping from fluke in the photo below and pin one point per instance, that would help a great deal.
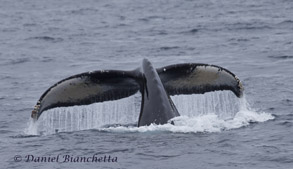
(209, 112)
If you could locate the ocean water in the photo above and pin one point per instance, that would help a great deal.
(44, 42)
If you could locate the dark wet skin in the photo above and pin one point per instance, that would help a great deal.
(155, 85)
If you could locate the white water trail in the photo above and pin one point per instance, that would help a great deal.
(210, 112)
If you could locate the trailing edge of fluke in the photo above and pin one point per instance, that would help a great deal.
(155, 85)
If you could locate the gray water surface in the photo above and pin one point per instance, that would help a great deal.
(42, 42)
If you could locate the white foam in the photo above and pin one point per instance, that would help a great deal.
(211, 112)
(204, 123)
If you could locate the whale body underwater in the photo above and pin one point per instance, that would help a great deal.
(155, 85)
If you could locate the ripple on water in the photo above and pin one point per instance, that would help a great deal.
(47, 59)
(18, 61)
(191, 31)
(281, 57)
(286, 123)
(287, 23)
(169, 47)
(5, 131)
(46, 39)
(24, 136)
(287, 102)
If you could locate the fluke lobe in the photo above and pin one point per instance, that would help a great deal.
(155, 85)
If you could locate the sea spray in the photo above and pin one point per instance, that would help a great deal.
(210, 112)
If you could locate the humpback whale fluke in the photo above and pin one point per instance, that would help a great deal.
(155, 85)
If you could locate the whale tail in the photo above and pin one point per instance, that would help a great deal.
(87, 88)
(196, 78)
(99, 86)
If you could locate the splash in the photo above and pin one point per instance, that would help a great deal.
(210, 112)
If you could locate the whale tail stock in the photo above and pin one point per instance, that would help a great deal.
(99, 86)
